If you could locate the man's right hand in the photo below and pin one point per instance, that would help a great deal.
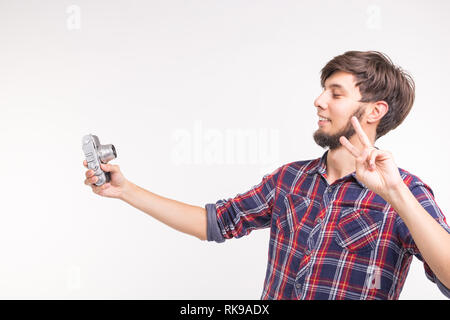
(112, 189)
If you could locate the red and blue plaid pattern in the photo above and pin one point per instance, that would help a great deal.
(339, 241)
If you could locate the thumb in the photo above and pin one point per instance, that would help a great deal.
(109, 167)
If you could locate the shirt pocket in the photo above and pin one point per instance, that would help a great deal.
(358, 230)
(295, 207)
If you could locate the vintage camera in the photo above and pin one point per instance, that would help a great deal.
(95, 154)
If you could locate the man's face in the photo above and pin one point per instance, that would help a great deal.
(338, 102)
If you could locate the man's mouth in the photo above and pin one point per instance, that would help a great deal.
(323, 121)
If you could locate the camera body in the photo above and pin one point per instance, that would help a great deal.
(97, 153)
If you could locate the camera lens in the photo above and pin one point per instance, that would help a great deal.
(107, 152)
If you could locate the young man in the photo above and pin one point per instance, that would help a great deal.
(343, 226)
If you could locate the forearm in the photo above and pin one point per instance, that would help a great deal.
(178, 215)
(430, 238)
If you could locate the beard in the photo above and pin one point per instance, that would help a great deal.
(332, 140)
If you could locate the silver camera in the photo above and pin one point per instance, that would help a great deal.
(95, 154)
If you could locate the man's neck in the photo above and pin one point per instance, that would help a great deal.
(340, 163)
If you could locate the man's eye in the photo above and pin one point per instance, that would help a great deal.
(336, 95)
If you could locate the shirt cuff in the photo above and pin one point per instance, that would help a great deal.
(444, 289)
(432, 277)
(212, 230)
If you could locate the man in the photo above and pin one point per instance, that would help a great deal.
(344, 226)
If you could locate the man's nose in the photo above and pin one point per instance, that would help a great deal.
(321, 102)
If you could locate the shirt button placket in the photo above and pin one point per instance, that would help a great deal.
(326, 195)
(298, 290)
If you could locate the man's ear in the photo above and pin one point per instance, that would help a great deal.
(378, 110)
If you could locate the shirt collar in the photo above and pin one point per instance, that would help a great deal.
(320, 167)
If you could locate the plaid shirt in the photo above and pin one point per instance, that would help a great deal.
(338, 241)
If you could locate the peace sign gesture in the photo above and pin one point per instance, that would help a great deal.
(375, 168)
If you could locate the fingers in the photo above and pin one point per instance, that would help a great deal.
(364, 156)
(105, 167)
(105, 186)
(368, 158)
(348, 145)
(368, 154)
(360, 132)
(373, 155)
(89, 173)
(90, 180)
(97, 189)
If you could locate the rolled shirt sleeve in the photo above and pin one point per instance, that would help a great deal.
(425, 197)
(213, 232)
(238, 216)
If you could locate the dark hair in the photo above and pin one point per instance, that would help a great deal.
(377, 79)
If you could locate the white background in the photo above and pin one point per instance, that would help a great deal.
(137, 73)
